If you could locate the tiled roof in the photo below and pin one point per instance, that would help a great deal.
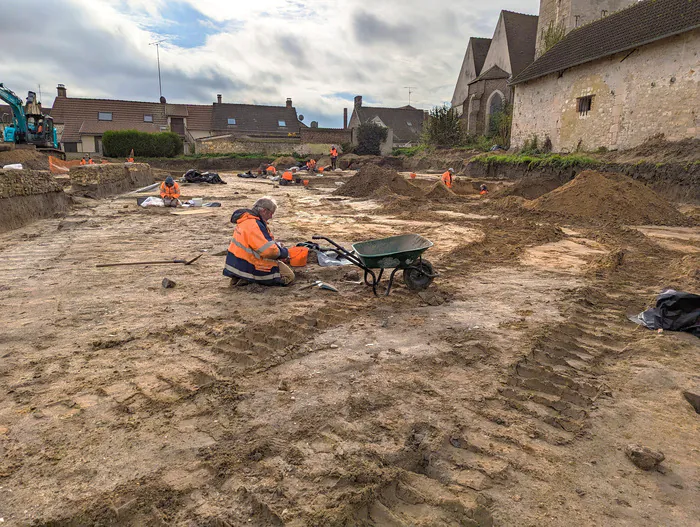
(480, 48)
(199, 117)
(639, 24)
(254, 119)
(406, 122)
(492, 73)
(176, 110)
(73, 112)
(521, 34)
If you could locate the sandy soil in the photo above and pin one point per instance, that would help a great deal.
(503, 395)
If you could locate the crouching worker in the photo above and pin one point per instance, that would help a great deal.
(170, 192)
(253, 255)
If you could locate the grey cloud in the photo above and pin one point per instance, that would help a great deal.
(369, 29)
(293, 50)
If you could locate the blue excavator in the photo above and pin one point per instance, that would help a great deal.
(28, 124)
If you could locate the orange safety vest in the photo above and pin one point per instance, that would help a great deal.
(130, 160)
(447, 179)
(91, 162)
(413, 175)
(288, 176)
(249, 244)
(82, 161)
(169, 192)
(271, 170)
(334, 152)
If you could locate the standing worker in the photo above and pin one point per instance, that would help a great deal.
(254, 255)
(447, 177)
(334, 158)
(170, 192)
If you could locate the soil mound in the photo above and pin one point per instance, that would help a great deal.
(440, 191)
(284, 162)
(371, 178)
(532, 187)
(609, 198)
(30, 159)
(658, 149)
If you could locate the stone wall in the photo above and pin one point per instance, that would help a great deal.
(653, 90)
(98, 181)
(29, 195)
(228, 144)
(326, 136)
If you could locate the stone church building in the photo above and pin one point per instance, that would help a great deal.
(482, 87)
(616, 79)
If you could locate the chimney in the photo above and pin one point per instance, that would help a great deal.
(289, 102)
(218, 98)
(345, 118)
(358, 101)
(61, 89)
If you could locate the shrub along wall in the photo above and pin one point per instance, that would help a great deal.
(120, 144)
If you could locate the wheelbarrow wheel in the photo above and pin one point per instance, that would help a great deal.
(415, 277)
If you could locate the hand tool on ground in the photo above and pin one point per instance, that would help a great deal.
(157, 262)
(320, 285)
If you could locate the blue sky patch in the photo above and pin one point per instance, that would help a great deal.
(184, 26)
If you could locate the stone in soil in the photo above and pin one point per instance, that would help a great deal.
(644, 457)
(693, 399)
(167, 283)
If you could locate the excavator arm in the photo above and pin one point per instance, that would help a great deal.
(19, 117)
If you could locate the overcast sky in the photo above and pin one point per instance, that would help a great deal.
(321, 53)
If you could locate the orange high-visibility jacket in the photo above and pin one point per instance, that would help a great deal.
(271, 170)
(82, 161)
(334, 152)
(91, 162)
(130, 160)
(447, 179)
(169, 192)
(288, 176)
(253, 243)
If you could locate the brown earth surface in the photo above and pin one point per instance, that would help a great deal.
(30, 159)
(504, 394)
(607, 197)
(371, 178)
(657, 149)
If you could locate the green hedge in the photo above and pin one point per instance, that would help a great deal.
(119, 144)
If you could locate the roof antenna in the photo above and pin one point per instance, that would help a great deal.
(410, 91)
(157, 44)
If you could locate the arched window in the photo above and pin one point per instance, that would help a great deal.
(493, 106)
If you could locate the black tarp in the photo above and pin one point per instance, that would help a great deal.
(194, 176)
(674, 311)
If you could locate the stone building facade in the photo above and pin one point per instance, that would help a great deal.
(620, 99)
(570, 14)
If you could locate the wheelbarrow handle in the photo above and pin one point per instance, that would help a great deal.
(342, 251)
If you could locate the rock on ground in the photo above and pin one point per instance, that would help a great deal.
(644, 457)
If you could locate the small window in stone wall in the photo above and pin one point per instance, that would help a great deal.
(231, 121)
(584, 105)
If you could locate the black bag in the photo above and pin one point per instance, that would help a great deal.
(674, 311)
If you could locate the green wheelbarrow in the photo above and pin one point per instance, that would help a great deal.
(400, 253)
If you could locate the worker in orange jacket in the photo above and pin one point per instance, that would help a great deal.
(287, 178)
(170, 192)
(254, 255)
(447, 177)
(90, 161)
(83, 162)
(271, 171)
(334, 158)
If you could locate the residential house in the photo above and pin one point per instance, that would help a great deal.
(255, 121)
(405, 124)
(615, 82)
(482, 92)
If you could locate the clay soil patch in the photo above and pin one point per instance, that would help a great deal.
(440, 191)
(372, 178)
(609, 198)
(30, 159)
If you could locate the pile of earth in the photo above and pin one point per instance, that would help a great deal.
(372, 178)
(440, 192)
(355, 162)
(657, 149)
(532, 187)
(284, 162)
(30, 159)
(609, 198)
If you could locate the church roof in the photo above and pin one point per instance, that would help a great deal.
(638, 25)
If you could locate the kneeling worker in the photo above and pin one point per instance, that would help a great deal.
(254, 255)
(287, 178)
(170, 192)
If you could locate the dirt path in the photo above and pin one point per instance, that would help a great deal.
(503, 397)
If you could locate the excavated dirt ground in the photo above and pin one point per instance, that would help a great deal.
(505, 394)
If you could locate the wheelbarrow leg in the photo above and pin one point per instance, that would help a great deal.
(375, 280)
(391, 281)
